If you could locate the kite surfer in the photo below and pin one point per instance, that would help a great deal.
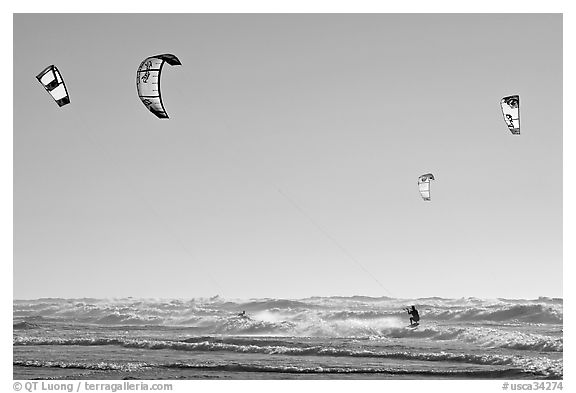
(415, 317)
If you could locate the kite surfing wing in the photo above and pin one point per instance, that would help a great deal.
(424, 185)
(148, 82)
(511, 111)
(52, 81)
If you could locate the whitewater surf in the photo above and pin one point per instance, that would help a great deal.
(315, 338)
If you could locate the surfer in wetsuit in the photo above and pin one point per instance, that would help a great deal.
(242, 314)
(415, 317)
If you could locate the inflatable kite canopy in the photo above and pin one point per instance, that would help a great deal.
(511, 111)
(148, 82)
(52, 81)
(424, 185)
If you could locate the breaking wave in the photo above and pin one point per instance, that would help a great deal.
(531, 313)
(257, 368)
(217, 312)
(544, 367)
(24, 325)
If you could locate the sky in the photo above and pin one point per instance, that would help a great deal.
(289, 164)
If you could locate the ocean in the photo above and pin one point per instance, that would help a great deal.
(355, 337)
